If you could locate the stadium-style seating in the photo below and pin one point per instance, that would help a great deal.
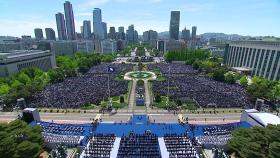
(52, 140)
(139, 146)
(62, 129)
(99, 146)
(179, 146)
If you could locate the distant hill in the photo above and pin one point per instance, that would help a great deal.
(208, 35)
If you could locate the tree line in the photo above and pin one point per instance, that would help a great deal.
(256, 142)
(19, 140)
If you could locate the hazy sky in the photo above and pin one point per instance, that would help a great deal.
(245, 17)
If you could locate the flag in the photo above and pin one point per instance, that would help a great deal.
(111, 69)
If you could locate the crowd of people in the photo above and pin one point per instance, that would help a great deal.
(179, 146)
(184, 84)
(213, 140)
(52, 140)
(173, 68)
(99, 146)
(103, 68)
(218, 135)
(62, 129)
(139, 146)
(218, 130)
(90, 88)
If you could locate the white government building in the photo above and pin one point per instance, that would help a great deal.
(11, 62)
(260, 58)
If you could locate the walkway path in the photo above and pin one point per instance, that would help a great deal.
(147, 95)
(132, 95)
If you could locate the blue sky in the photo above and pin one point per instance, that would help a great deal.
(245, 17)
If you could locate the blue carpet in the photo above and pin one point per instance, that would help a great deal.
(139, 124)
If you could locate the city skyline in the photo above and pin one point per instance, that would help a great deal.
(156, 15)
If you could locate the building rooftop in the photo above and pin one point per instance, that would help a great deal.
(266, 118)
(257, 42)
(19, 53)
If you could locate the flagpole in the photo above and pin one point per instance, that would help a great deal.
(167, 101)
(110, 101)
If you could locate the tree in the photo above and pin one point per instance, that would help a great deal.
(243, 81)
(121, 99)
(218, 74)
(276, 90)
(256, 142)
(261, 88)
(19, 140)
(157, 98)
(179, 102)
(229, 78)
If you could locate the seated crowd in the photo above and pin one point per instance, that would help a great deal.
(179, 146)
(139, 146)
(218, 130)
(99, 146)
(89, 88)
(174, 68)
(216, 135)
(62, 129)
(52, 140)
(204, 90)
(213, 140)
(103, 68)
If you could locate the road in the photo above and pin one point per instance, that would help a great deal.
(131, 101)
(123, 117)
(147, 95)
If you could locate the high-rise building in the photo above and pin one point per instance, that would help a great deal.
(121, 29)
(146, 36)
(50, 34)
(150, 35)
(131, 35)
(121, 33)
(194, 28)
(174, 25)
(186, 34)
(82, 29)
(61, 29)
(112, 33)
(260, 58)
(70, 23)
(98, 26)
(86, 29)
(104, 24)
(38, 34)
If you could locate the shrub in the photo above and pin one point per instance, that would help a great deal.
(121, 99)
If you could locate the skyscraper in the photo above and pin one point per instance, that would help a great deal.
(50, 34)
(194, 28)
(150, 35)
(61, 29)
(131, 35)
(174, 25)
(121, 33)
(86, 29)
(38, 34)
(70, 24)
(98, 27)
(112, 33)
(186, 34)
(104, 24)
